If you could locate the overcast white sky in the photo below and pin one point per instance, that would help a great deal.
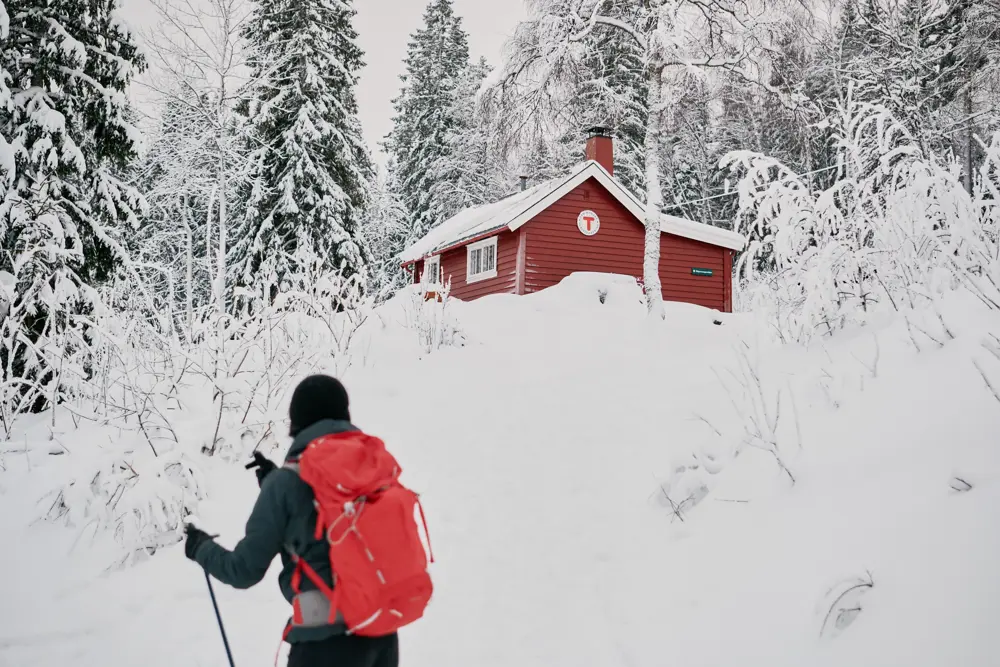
(384, 28)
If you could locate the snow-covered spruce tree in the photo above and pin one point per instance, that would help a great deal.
(311, 173)
(470, 170)
(609, 90)
(544, 156)
(913, 56)
(670, 36)
(66, 66)
(720, 114)
(385, 232)
(614, 94)
(690, 151)
(437, 65)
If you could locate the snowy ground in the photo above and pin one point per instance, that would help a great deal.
(546, 448)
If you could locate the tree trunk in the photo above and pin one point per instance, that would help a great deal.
(654, 196)
(208, 236)
(189, 287)
(970, 182)
(220, 268)
(188, 270)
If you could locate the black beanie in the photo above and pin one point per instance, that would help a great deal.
(318, 397)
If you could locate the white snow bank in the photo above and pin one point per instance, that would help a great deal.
(597, 497)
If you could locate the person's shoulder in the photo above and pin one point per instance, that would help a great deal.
(284, 481)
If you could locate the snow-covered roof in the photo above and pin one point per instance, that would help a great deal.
(696, 231)
(478, 220)
(518, 209)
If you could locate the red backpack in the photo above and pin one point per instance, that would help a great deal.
(379, 562)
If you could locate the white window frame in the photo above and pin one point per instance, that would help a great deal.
(471, 277)
(425, 277)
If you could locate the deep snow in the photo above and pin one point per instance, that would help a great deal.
(545, 449)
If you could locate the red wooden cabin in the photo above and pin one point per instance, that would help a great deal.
(584, 221)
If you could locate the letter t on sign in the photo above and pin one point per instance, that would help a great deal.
(588, 223)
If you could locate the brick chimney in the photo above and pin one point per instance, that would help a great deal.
(601, 148)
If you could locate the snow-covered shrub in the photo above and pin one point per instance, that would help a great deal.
(50, 346)
(896, 229)
(429, 315)
(988, 364)
(219, 388)
(140, 498)
(252, 363)
(768, 413)
(335, 300)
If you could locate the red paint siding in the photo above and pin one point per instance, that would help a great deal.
(556, 248)
(727, 277)
(522, 258)
(454, 265)
(678, 256)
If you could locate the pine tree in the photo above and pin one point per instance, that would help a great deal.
(692, 153)
(436, 80)
(468, 172)
(312, 172)
(913, 57)
(608, 90)
(385, 232)
(545, 157)
(612, 92)
(66, 138)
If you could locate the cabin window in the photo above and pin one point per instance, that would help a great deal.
(432, 271)
(482, 259)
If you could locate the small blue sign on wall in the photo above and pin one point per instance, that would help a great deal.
(701, 272)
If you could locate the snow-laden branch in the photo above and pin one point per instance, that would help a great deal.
(596, 19)
(886, 233)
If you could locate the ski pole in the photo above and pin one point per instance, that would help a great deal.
(218, 616)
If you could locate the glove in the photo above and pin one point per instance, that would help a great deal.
(195, 538)
(264, 466)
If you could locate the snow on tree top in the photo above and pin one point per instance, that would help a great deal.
(516, 210)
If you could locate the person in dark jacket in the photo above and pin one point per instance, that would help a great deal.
(282, 523)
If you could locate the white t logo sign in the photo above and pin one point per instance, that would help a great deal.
(588, 223)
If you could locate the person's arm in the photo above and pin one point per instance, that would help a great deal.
(246, 565)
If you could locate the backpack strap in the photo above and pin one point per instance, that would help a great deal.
(427, 534)
(331, 594)
(293, 465)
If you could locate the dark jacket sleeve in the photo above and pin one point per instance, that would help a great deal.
(247, 564)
